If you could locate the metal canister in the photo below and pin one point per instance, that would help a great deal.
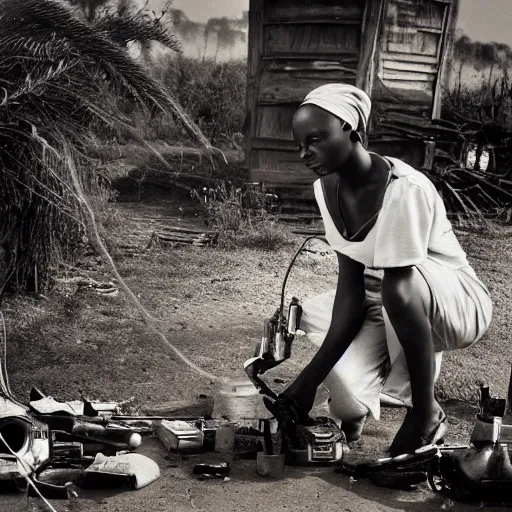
(280, 347)
(294, 314)
(265, 340)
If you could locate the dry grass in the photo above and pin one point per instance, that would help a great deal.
(241, 225)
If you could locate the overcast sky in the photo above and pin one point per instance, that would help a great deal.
(482, 20)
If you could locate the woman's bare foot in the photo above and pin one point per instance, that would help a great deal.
(421, 426)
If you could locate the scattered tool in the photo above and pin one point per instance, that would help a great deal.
(480, 471)
(483, 470)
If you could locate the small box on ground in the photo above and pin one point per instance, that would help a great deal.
(179, 436)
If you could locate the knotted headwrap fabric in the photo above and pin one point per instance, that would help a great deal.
(344, 101)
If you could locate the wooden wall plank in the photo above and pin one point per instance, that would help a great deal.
(276, 89)
(319, 21)
(280, 160)
(288, 145)
(395, 86)
(409, 66)
(321, 67)
(404, 108)
(297, 177)
(275, 121)
(289, 10)
(408, 57)
(310, 38)
(407, 76)
(346, 58)
(391, 93)
(420, 43)
(425, 14)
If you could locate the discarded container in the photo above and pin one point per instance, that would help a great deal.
(271, 466)
(225, 439)
(179, 436)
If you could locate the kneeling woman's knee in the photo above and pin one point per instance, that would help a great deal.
(401, 289)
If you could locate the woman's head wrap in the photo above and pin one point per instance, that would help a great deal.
(345, 101)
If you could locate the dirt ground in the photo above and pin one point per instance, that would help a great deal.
(210, 304)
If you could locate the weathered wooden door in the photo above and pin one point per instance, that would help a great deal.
(406, 88)
(295, 46)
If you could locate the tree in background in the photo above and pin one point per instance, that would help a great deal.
(223, 33)
(483, 57)
(504, 57)
(463, 53)
(226, 36)
(186, 28)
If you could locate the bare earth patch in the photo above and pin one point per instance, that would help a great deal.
(211, 304)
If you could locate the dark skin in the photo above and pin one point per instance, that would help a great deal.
(327, 147)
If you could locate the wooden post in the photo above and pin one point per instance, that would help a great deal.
(255, 39)
(370, 36)
(430, 148)
(369, 49)
(443, 72)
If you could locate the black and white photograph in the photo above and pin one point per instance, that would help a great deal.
(255, 255)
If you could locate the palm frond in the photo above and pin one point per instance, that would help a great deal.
(60, 79)
(127, 27)
(48, 20)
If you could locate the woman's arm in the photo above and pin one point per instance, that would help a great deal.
(347, 317)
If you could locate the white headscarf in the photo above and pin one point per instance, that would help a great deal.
(344, 101)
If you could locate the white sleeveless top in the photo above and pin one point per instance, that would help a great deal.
(411, 226)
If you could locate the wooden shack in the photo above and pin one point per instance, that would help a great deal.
(396, 50)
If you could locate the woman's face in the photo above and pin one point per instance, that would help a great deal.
(324, 145)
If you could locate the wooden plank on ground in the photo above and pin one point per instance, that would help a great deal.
(309, 232)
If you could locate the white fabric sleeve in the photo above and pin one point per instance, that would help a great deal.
(404, 225)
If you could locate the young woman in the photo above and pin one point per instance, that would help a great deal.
(405, 292)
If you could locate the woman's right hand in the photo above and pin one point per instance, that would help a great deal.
(301, 393)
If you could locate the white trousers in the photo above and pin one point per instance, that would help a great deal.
(373, 368)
